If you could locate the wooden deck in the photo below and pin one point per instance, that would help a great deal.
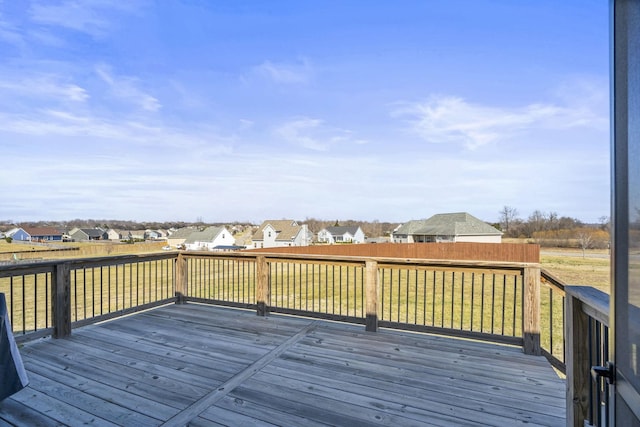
(207, 366)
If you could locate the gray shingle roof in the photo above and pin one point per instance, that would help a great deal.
(341, 230)
(449, 224)
(183, 233)
(206, 235)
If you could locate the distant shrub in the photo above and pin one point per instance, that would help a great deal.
(8, 239)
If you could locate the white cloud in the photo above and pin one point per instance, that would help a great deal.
(449, 119)
(125, 88)
(92, 17)
(45, 86)
(285, 73)
(314, 134)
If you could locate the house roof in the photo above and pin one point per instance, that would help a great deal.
(287, 229)
(93, 232)
(42, 231)
(448, 224)
(183, 233)
(342, 230)
(206, 235)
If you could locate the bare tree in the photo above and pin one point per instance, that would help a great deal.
(507, 216)
(585, 240)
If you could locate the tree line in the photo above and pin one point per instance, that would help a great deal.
(551, 229)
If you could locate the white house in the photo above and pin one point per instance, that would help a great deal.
(279, 233)
(208, 239)
(449, 227)
(339, 234)
(112, 234)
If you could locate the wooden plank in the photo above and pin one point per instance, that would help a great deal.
(413, 402)
(116, 395)
(449, 369)
(424, 347)
(234, 409)
(178, 388)
(263, 291)
(109, 377)
(531, 311)
(247, 415)
(372, 291)
(179, 357)
(61, 301)
(202, 422)
(577, 360)
(425, 409)
(211, 398)
(62, 412)
(503, 375)
(17, 414)
(88, 403)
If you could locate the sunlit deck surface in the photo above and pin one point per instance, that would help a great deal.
(206, 366)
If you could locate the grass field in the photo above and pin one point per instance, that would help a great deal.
(569, 266)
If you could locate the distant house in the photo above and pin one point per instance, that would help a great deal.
(112, 234)
(339, 234)
(86, 234)
(280, 233)
(43, 233)
(449, 227)
(209, 238)
(18, 234)
(178, 237)
(152, 235)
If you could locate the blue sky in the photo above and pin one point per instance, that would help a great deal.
(252, 110)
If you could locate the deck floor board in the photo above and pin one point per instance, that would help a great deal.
(202, 365)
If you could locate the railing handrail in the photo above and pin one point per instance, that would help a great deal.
(585, 308)
(551, 280)
(594, 302)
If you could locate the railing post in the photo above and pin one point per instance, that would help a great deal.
(61, 303)
(372, 289)
(531, 311)
(263, 286)
(576, 329)
(181, 279)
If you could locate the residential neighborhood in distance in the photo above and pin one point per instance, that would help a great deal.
(446, 227)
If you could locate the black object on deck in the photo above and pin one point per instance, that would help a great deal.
(13, 376)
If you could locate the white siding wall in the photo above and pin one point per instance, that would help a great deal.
(480, 239)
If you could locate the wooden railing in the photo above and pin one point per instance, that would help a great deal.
(485, 300)
(587, 332)
(49, 298)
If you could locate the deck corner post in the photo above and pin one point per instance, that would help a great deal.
(181, 279)
(531, 310)
(577, 360)
(372, 290)
(61, 300)
(263, 290)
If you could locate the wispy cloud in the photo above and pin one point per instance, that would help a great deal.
(126, 88)
(285, 73)
(45, 86)
(58, 124)
(314, 134)
(450, 119)
(92, 17)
